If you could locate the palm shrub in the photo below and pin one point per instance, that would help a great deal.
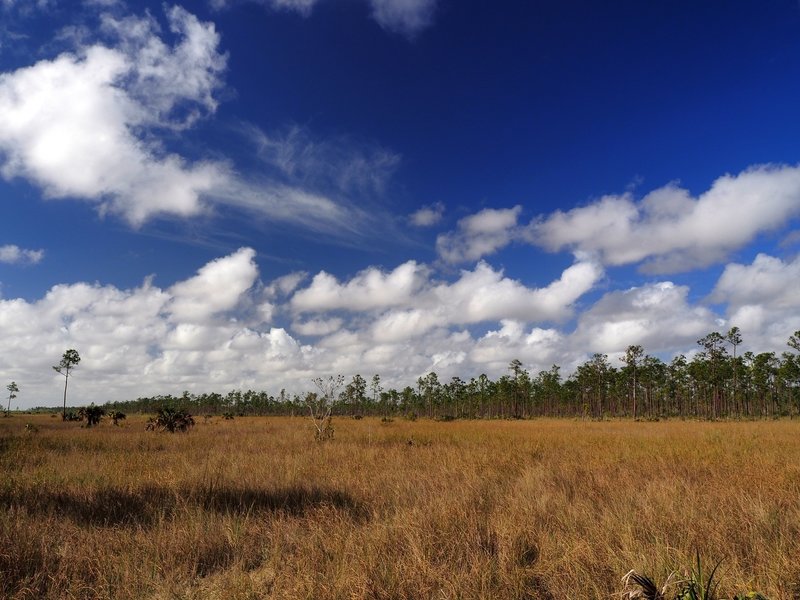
(92, 414)
(169, 419)
(116, 416)
(695, 586)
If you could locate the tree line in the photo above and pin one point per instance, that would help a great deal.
(717, 382)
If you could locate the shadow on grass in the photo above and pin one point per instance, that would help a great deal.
(294, 501)
(147, 505)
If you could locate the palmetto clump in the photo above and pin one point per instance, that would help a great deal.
(641, 587)
(92, 414)
(169, 419)
(695, 586)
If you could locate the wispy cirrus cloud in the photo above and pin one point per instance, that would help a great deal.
(405, 17)
(341, 163)
(408, 17)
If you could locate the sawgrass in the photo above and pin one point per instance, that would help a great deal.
(254, 508)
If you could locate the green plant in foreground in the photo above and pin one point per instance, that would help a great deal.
(696, 586)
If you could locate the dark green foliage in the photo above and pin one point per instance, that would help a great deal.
(228, 416)
(92, 414)
(116, 416)
(169, 419)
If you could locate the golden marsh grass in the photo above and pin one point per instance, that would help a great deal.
(254, 508)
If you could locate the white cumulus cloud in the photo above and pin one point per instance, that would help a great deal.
(13, 254)
(479, 235)
(672, 231)
(202, 334)
(658, 316)
(407, 302)
(370, 289)
(762, 299)
(70, 124)
(146, 340)
(427, 216)
(217, 287)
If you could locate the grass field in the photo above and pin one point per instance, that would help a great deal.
(253, 508)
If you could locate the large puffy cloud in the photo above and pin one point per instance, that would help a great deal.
(207, 333)
(667, 231)
(767, 281)
(370, 289)
(409, 303)
(485, 294)
(217, 287)
(536, 348)
(671, 230)
(657, 316)
(69, 124)
(146, 340)
(762, 299)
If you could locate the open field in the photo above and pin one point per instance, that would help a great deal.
(253, 508)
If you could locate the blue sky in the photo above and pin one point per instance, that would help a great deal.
(236, 193)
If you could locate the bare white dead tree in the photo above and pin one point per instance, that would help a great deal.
(320, 405)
